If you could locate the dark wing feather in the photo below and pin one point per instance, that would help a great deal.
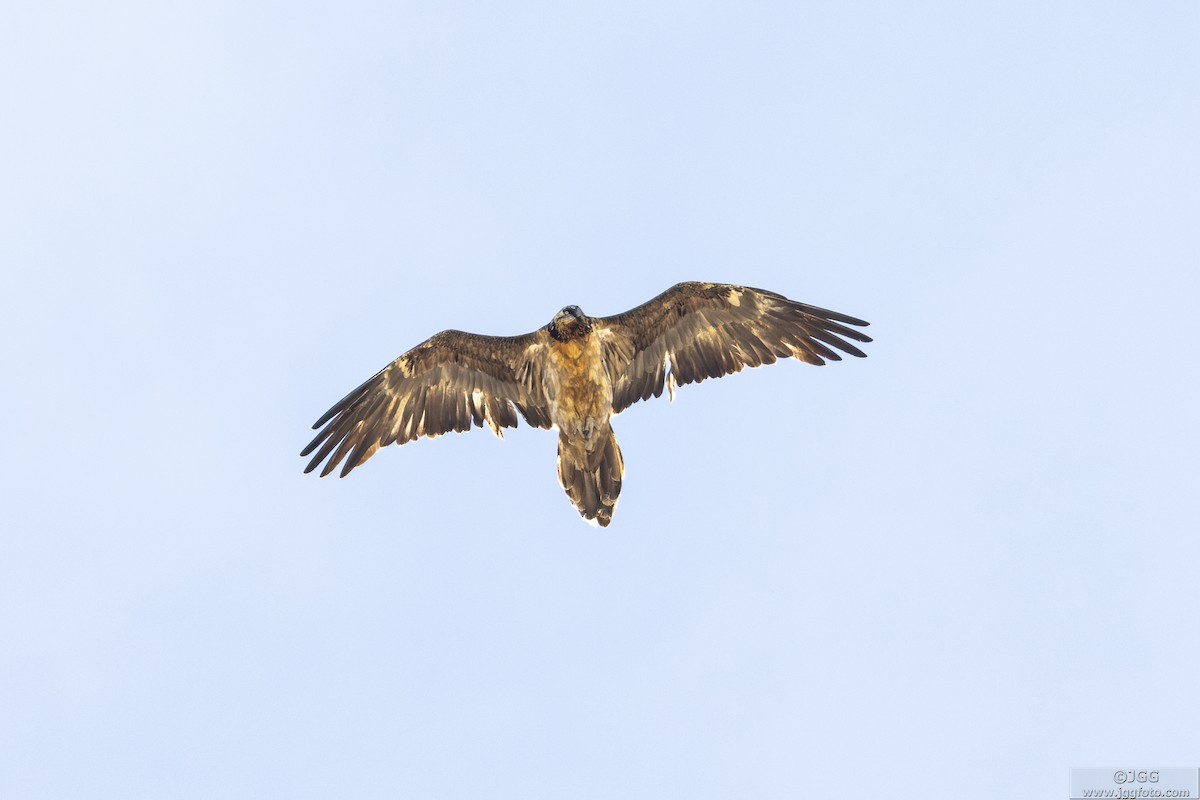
(452, 382)
(706, 330)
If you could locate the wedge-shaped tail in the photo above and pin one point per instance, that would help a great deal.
(591, 473)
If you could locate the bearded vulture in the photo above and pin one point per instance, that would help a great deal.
(573, 375)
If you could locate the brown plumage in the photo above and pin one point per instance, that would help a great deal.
(574, 374)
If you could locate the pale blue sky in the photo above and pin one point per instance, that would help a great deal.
(956, 568)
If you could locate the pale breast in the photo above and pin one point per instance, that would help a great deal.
(577, 387)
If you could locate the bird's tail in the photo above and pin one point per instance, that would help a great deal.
(591, 473)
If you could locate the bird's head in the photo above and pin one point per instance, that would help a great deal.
(570, 323)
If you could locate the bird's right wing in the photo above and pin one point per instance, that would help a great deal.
(451, 382)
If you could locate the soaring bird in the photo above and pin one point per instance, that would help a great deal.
(574, 374)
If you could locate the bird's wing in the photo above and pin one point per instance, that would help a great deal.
(451, 382)
(706, 330)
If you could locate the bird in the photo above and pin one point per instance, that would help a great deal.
(573, 375)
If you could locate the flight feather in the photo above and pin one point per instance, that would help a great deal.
(695, 331)
(451, 382)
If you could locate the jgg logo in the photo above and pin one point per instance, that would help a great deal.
(1135, 776)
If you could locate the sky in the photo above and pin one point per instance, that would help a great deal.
(959, 567)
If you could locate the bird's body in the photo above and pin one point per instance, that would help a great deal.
(578, 387)
(574, 374)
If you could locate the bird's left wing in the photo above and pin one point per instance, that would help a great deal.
(695, 331)
(452, 382)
